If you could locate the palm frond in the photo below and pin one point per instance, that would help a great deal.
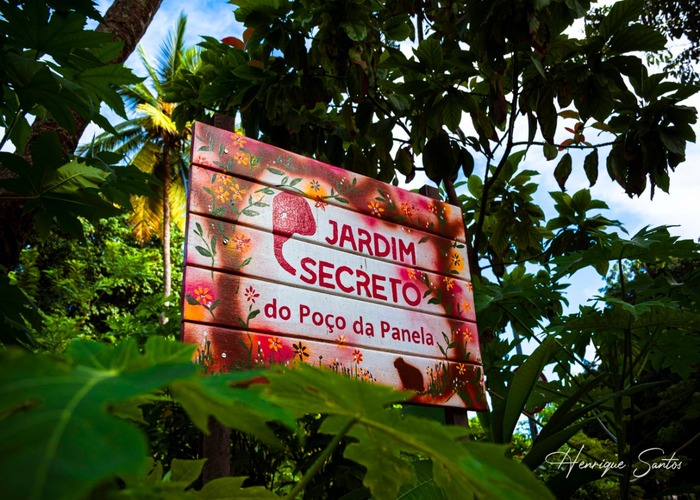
(191, 58)
(152, 73)
(178, 205)
(130, 134)
(158, 120)
(171, 50)
(133, 95)
(146, 218)
(146, 159)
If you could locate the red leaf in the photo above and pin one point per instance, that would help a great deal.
(233, 42)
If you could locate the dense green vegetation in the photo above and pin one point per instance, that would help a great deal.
(99, 399)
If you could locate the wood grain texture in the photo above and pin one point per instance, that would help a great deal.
(434, 381)
(227, 152)
(267, 307)
(289, 260)
(240, 201)
(251, 252)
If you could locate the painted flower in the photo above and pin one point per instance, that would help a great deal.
(223, 196)
(341, 341)
(375, 208)
(300, 350)
(468, 337)
(449, 283)
(275, 344)
(220, 188)
(469, 286)
(407, 209)
(240, 241)
(357, 356)
(237, 192)
(242, 158)
(433, 209)
(251, 295)
(238, 140)
(315, 185)
(320, 203)
(202, 295)
(411, 273)
(466, 306)
(461, 368)
(457, 261)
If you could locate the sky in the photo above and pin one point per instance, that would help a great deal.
(679, 208)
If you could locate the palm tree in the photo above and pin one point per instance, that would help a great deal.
(155, 145)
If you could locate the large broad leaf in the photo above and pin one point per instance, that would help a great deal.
(236, 407)
(58, 438)
(429, 53)
(637, 37)
(383, 436)
(523, 383)
(232, 487)
(620, 15)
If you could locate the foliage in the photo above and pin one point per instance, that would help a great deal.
(104, 384)
(351, 83)
(340, 97)
(156, 145)
(679, 21)
(54, 68)
(99, 287)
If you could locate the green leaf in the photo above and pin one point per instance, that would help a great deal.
(356, 29)
(638, 37)
(523, 383)
(429, 53)
(563, 170)
(232, 487)
(382, 434)
(590, 166)
(424, 488)
(620, 15)
(235, 407)
(60, 432)
(550, 151)
(186, 472)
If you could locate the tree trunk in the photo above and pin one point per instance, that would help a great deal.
(167, 280)
(128, 21)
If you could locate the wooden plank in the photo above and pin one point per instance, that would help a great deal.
(437, 382)
(246, 158)
(267, 307)
(238, 200)
(238, 249)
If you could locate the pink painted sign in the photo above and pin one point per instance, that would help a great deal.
(290, 260)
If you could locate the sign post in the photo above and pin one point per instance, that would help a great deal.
(289, 260)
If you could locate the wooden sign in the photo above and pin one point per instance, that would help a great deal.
(290, 260)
